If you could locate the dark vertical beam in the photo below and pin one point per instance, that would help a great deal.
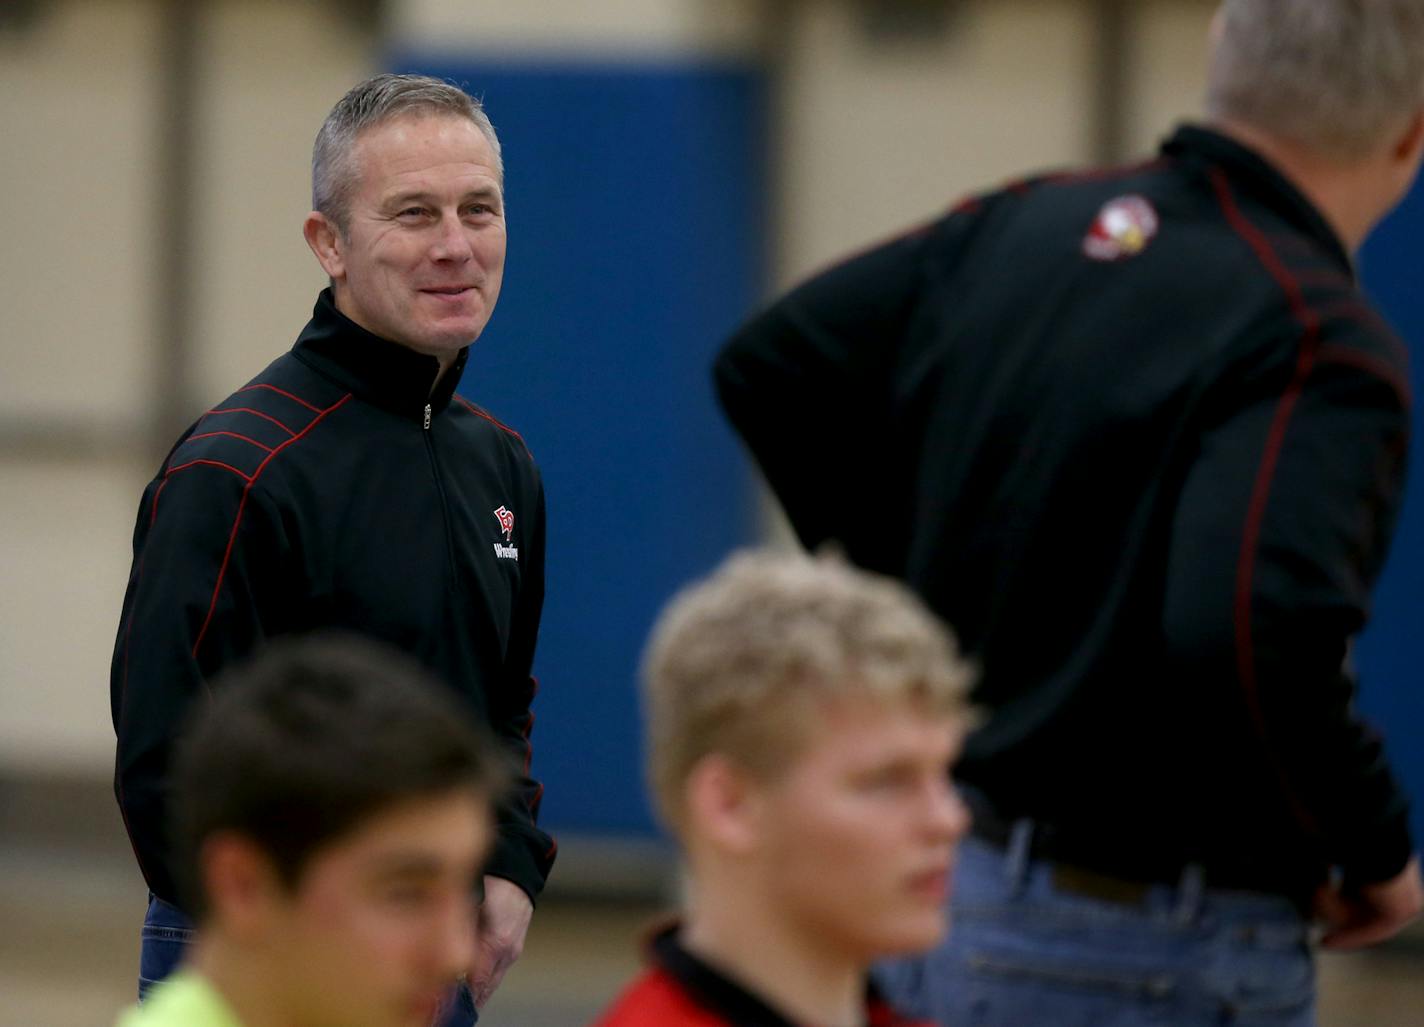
(778, 18)
(179, 38)
(1112, 67)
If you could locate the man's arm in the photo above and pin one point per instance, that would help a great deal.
(206, 550)
(1282, 527)
(523, 854)
(806, 385)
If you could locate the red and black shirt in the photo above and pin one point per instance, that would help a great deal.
(680, 990)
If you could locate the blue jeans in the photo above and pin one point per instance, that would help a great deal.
(167, 933)
(1023, 950)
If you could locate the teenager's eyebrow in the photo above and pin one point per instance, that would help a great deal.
(407, 864)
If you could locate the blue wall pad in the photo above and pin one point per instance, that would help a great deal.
(1391, 650)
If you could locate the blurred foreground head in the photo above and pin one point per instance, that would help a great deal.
(334, 809)
(802, 717)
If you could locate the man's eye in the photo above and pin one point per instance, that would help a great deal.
(412, 212)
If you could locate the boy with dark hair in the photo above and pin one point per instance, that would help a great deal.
(332, 812)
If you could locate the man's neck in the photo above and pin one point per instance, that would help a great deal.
(1346, 194)
(445, 360)
(245, 983)
(792, 971)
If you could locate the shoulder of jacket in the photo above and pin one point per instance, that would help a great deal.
(248, 429)
(483, 421)
(655, 999)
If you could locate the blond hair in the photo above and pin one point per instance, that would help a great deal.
(736, 661)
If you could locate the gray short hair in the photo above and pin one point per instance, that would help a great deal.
(374, 102)
(736, 663)
(1337, 76)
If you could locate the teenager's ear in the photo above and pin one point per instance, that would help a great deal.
(240, 884)
(725, 806)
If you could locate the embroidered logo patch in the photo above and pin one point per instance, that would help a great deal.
(506, 522)
(1123, 228)
(505, 517)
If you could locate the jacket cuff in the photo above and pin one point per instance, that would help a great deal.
(523, 857)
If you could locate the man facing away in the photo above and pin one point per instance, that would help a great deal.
(348, 487)
(1139, 437)
(333, 808)
(801, 720)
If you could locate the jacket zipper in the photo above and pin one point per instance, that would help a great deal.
(444, 501)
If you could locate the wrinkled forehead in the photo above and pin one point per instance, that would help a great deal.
(415, 143)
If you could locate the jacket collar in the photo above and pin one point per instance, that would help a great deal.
(378, 371)
(1249, 171)
(728, 1000)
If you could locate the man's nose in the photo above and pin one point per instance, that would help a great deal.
(949, 816)
(456, 937)
(452, 242)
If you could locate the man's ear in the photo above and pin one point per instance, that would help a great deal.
(326, 242)
(1216, 30)
(240, 883)
(725, 805)
(1410, 143)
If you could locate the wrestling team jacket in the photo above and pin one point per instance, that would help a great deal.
(1139, 438)
(681, 990)
(335, 491)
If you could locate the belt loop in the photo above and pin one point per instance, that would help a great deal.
(1191, 893)
(1016, 856)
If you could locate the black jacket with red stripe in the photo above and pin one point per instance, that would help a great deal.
(335, 490)
(1138, 437)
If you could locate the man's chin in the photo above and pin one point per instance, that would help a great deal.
(453, 335)
(445, 342)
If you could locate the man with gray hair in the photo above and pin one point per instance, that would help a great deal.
(1139, 437)
(349, 487)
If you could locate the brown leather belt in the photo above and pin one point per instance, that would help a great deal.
(1093, 885)
(1071, 874)
(1068, 877)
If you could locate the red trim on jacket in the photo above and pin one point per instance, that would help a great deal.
(1261, 490)
(281, 392)
(249, 410)
(230, 434)
(242, 505)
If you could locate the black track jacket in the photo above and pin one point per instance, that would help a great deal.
(1146, 459)
(334, 491)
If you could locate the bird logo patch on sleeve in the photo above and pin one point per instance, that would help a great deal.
(1122, 229)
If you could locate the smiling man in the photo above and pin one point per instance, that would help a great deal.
(347, 486)
(802, 719)
(333, 808)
